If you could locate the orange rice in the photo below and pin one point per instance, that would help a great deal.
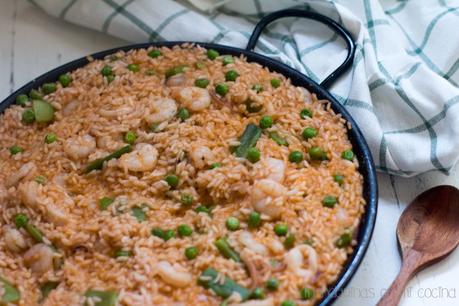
(92, 116)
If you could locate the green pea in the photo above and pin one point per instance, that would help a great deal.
(253, 155)
(212, 54)
(150, 72)
(202, 82)
(191, 252)
(215, 165)
(50, 138)
(254, 220)
(48, 88)
(154, 53)
(329, 201)
(169, 234)
(106, 70)
(157, 232)
(165, 235)
(65, 80)
(232, 224)
(133, 67)
(202, 209)
(258, 88)
(22, 100)
(183, 114)
(309, 133)
(258, 294)
(186, 199)
(348, 155)
(28, 116)
(305, 113)
(20, 220)
(123, 253)
(231, 75)
(275, 83)
(172, 180)
(316, 153)
(344, 240)
(15, 150)
(227, 59)
(35, 94)
(110, 78)
(105, 202)
(130, 137)
(222, 89)
(289, 241)
(295, 157)
(272, 284)
(339, 178)
(266, 122)
(288, 303)
(306, 294)
(184, 230)
(281, 229)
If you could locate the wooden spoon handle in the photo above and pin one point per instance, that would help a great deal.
(410, 264)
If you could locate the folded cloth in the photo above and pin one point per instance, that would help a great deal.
(403, 87)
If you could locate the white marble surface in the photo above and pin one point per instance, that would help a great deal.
(32, 43)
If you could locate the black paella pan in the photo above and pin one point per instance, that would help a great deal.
(360, 147)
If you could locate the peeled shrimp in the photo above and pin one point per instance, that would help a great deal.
(276, 168)
(70, 107)
(14, 240)
(31, 194)
(56, 215)
(176, 80)
(39, 258)
(194, 98)
(25, 169)
(108, 143)
(248, 241)
(172, 275)
(275, 246)
(295, 261)
(80, 146)
(143, 158)
(268, 197)
(163, 110)
(34, 196)
(201, 156)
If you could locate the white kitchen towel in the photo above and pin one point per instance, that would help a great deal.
(402, 89)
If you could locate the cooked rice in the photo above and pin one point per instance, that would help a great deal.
(89, 236)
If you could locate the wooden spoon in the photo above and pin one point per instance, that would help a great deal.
(427, 231)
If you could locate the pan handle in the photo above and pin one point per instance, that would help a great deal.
(329, 80)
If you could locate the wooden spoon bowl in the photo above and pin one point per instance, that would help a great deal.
(428, 231)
